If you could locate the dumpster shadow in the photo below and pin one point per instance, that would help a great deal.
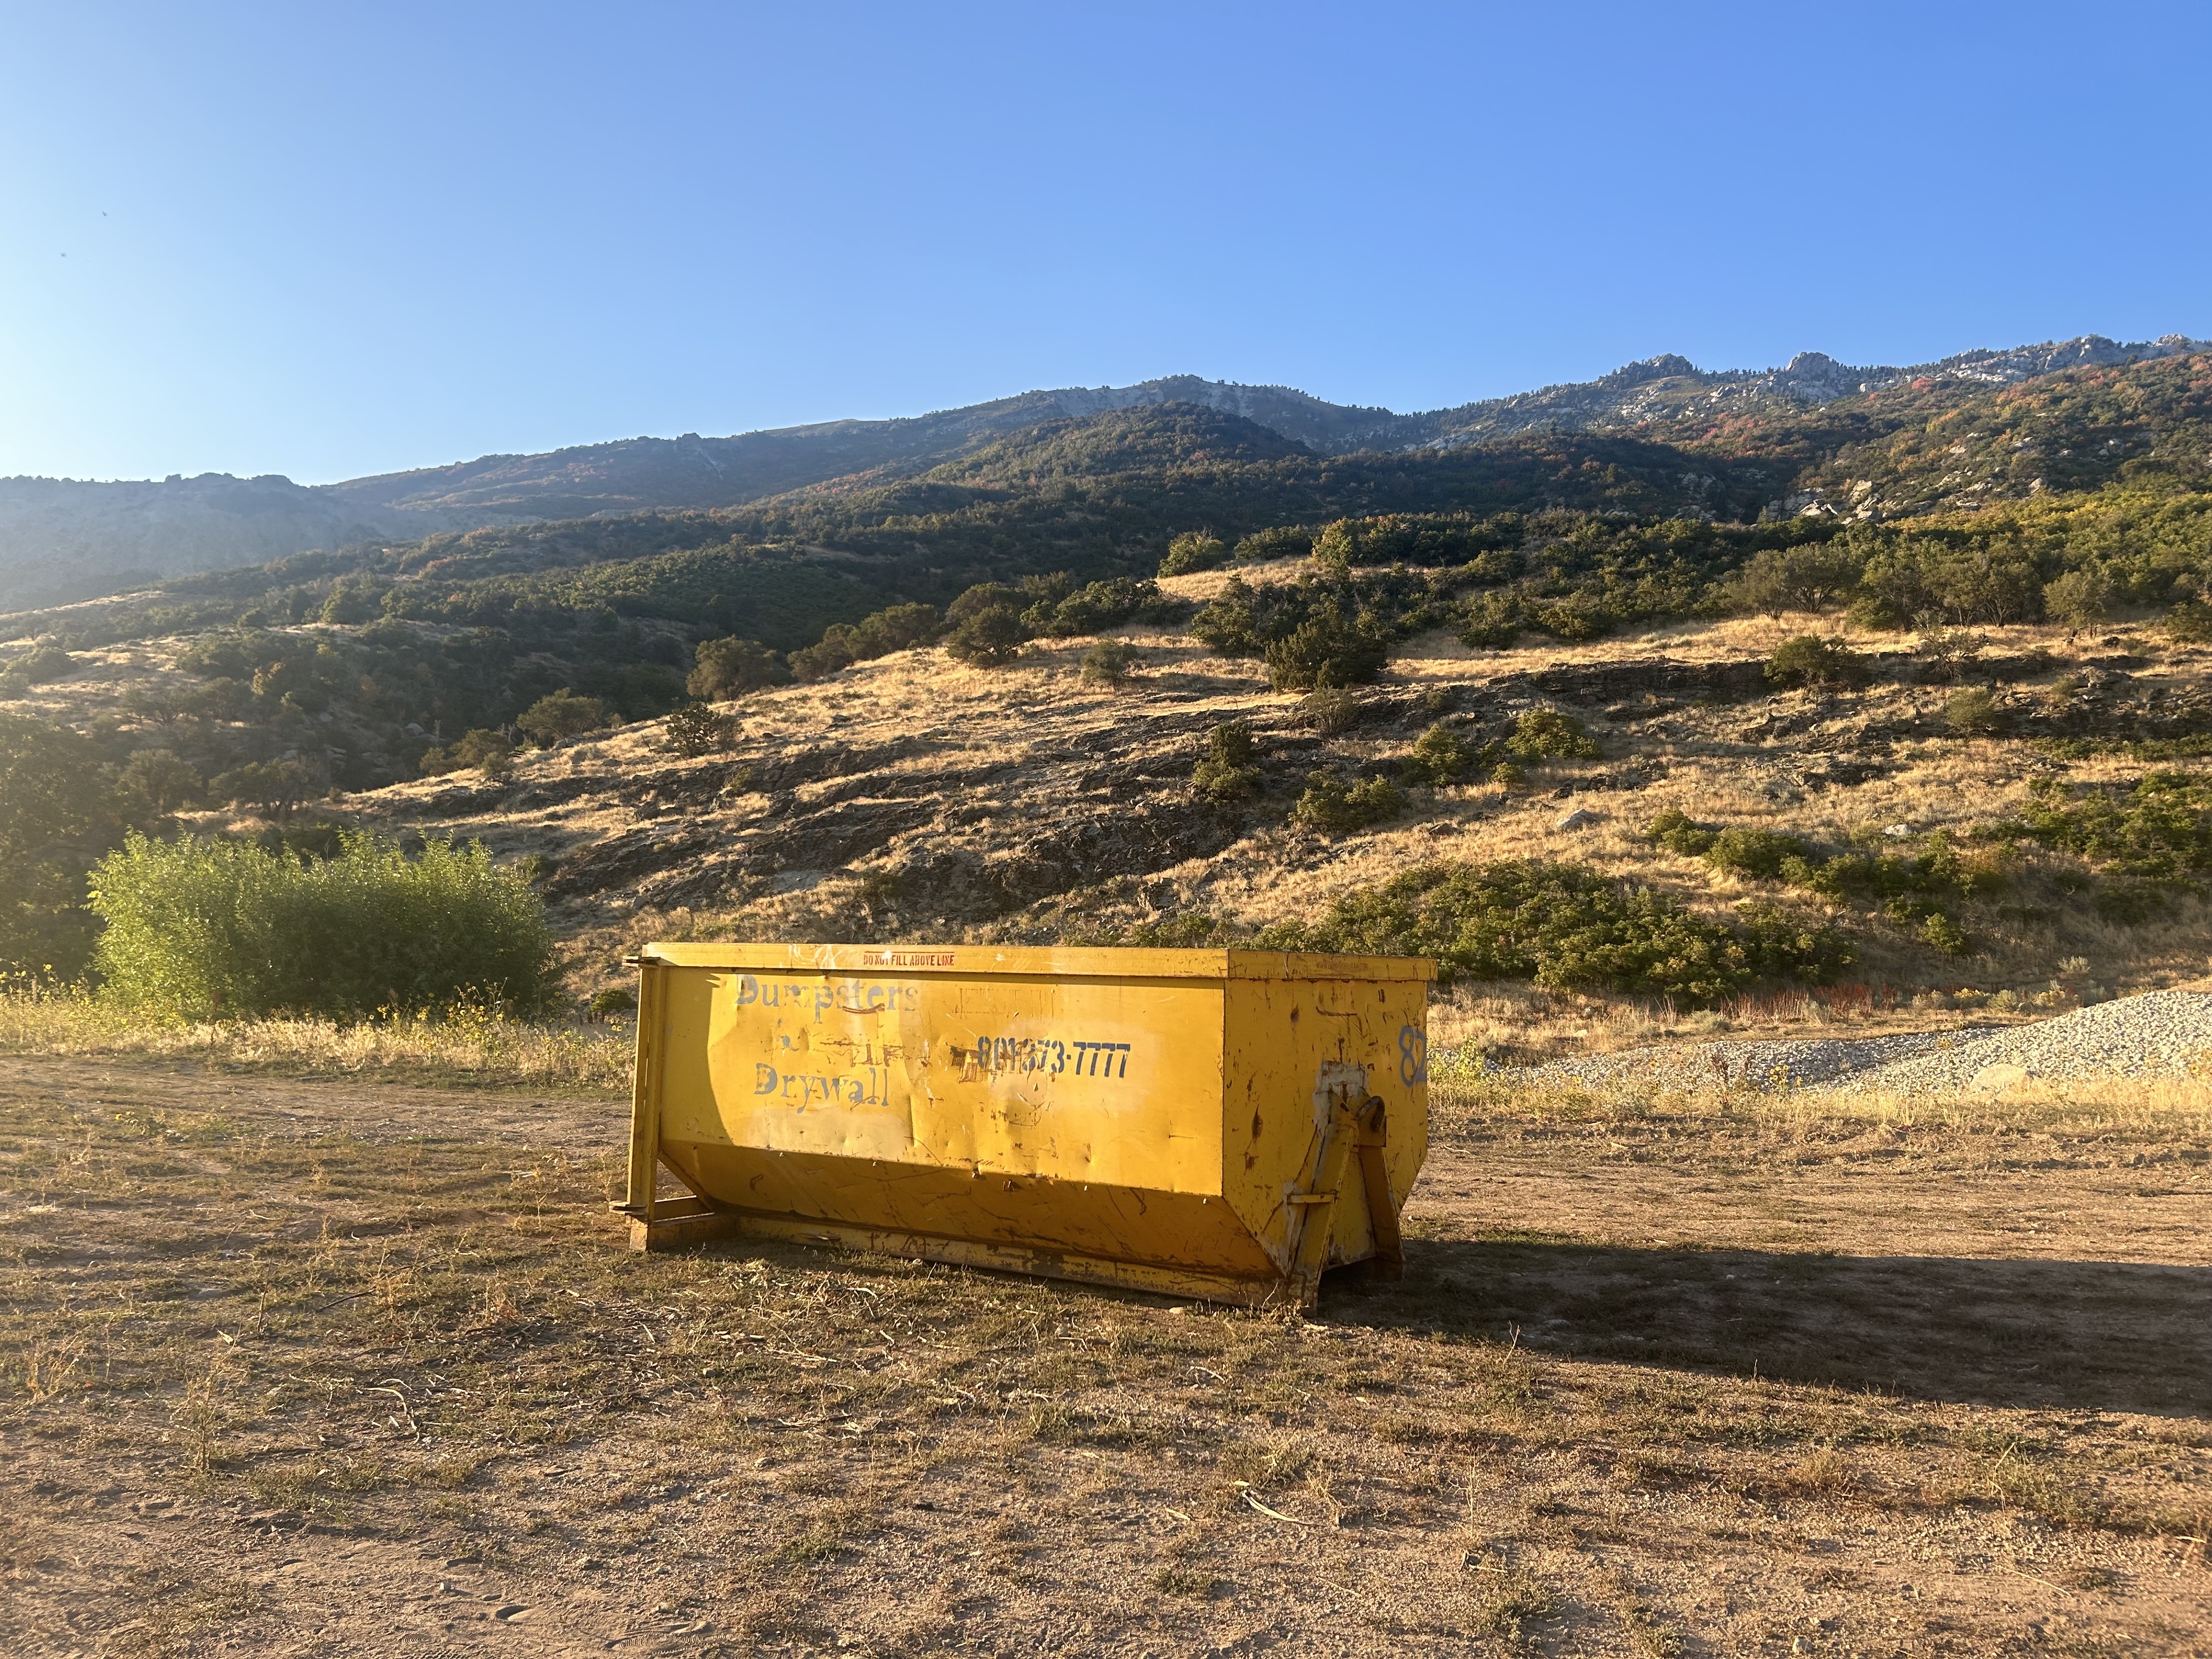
(2081, 1335)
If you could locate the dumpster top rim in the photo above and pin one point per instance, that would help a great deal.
(1085, 961)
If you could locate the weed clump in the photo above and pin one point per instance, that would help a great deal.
(202, 929)
(1973, 713)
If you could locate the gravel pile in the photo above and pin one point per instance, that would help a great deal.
(2159, 1034)
(1794, 1063)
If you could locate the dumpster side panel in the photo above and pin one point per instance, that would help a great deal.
(1292, 1045)
(1191, 1233)
(1111, 1082)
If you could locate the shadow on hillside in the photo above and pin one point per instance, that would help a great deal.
(2079, 1335)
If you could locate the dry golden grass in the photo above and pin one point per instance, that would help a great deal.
(461, 1045)
(386, 1381)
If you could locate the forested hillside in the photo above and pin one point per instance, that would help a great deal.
(1938, 504)
(63, 539)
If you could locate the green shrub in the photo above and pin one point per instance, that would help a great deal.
(895, 627)
(1777, 580)
(1973, 712)
(354, 600)
(2190, 623)
(1944, 934)
(1328, 804)
(1194, 549)
(491, 753)
(1226, 772)
(274, 789)
(1108, 663)
(1808, 659)
(2078, 598)
(2133, 903)
(989, 636)
(838, 649)
(1759, 852)
(1439, 756)
(1332, 710)
(1563, 926)
(1674, 830)
(1326, 650)
(1909, 887)
(1938, 576)
(59, 810)
(2158, 830)
(1494, 620)
(1779, 945)
(727, 668)
(1578, 618)
(1096, 606)
(1548, 734)
(41, 665)
(162, 779)
(200, 929)
(696, 730)
(1282, 541)
(561, 715)
(1229, 621)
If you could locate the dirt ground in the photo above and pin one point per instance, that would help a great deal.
(313, 1368)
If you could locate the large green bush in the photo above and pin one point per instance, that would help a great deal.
(1912, 888)
(1326, 650)
(1565, 927)
(1330, 804)
(1194, 549)
(2156, 830)
(1808, 659)
(201, 929)
(729, 668)
(59, 810)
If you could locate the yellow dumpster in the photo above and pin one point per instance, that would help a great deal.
(1224, 1124)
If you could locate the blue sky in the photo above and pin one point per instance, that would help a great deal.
(327, 240)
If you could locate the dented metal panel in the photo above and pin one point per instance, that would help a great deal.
(1181, 1119)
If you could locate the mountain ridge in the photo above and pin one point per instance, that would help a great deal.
(63, 539)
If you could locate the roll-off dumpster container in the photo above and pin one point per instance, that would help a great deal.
(1224, 1124)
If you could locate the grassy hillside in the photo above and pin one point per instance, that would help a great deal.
(1882, 850)
(313, 687)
